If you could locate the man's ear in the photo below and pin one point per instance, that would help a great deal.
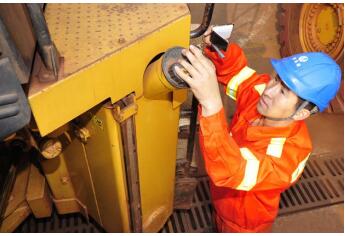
(301, 115)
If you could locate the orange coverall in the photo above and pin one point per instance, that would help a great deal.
(249, 166)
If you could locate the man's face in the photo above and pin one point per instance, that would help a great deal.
(277, 100)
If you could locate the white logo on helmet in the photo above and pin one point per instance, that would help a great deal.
(300, 60)
(303, 58)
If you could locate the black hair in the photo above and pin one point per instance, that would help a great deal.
(301, 102)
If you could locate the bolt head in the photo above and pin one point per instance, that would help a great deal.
(51, 148)
(64, 180)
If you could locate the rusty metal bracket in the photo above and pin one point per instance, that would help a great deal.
(125, 108)
(46, 75)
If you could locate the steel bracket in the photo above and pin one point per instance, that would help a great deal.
(123, 112)
(70, 205)
(125, 108)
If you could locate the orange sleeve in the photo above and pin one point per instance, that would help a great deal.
(244, 168)
(233, 72)
(229, 66)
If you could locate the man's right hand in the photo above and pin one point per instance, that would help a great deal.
(207, 36)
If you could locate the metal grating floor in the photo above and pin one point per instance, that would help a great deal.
(196, 220)
(321, 184)
(69, 223)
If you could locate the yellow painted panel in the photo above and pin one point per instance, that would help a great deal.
(64, 173)
(104, 154)
(113, 75)
(12, 221)
(157, 141)
(79, 172)
(38, 194)
(55, 170)
(179, 97)
(18, 192)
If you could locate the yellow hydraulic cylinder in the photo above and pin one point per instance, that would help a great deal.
(155, 82)
(160, 78)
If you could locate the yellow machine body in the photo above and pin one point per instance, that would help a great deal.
(106, 50)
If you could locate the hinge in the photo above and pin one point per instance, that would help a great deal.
(125, 108)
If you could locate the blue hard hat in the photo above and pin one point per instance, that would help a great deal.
(313, 76)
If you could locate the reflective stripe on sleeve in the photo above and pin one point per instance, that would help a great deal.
(275, 148)
(244, 74)
(251, 171)
(299, 169)
(260, 88)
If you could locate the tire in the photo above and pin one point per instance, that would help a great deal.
(304, 27)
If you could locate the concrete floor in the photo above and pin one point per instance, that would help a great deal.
(328, 219)
(256, 31)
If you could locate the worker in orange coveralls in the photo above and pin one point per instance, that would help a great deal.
(265, 148)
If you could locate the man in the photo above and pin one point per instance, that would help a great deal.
(265, 148)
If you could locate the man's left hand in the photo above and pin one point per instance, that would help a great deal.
(202, 80)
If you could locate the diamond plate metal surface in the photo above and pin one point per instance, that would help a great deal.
(85, 33)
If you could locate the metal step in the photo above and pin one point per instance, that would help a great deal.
(321, 184)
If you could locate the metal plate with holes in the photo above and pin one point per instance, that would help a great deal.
(321, 184)
(84, 33)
